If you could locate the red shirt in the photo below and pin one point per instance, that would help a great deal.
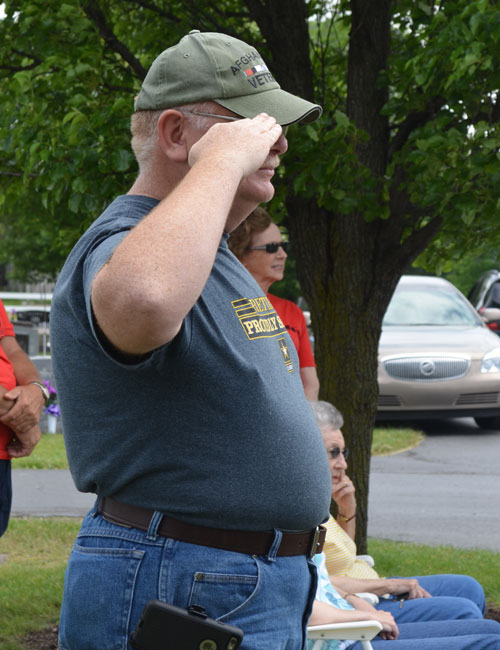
(7, 377)
(295, 323)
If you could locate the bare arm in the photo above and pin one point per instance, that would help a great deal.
(343, 493)
(159, 269)
(379, 586)
(26, 400)
(323, 613)
(310, 382)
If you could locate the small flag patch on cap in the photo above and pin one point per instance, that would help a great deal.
(258, 68)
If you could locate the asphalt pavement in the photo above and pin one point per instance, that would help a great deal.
(445, 491)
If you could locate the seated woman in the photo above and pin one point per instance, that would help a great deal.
(258, 244)
(453, 596)
(331, 606)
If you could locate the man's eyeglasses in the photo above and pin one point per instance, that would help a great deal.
(229, 118)
(272, 247)
(336, 451)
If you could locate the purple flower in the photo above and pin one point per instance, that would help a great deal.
(53, 409)
(50, 388)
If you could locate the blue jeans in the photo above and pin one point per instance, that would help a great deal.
(443, 635)
(453, 597)
(5, 494)
(436, 635)
(114, 570)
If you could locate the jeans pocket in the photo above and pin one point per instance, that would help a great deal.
(223, 594)
(98, 593)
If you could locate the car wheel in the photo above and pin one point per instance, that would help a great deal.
(488, 423)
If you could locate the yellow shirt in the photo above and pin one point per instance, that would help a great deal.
(340, 552)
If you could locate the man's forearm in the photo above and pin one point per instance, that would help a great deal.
(160, 268)
(24, 369)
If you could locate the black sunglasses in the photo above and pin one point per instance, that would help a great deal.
(272, 247)
(336, 451)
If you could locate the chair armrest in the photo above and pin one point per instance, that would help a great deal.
(368, 597)
(357, 631)
(367, 559)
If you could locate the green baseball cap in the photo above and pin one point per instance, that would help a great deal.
(211, 66)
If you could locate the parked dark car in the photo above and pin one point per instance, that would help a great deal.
(437, 358)
(485, 297)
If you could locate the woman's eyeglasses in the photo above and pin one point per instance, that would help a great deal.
(272, 247)
(336, 451)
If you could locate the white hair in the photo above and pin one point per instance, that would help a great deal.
(326, 415)
(144, 128)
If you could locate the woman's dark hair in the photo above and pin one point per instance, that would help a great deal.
(241, 238)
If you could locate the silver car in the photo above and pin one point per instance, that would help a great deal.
(437, 358)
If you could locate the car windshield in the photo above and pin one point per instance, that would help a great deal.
(419, 306)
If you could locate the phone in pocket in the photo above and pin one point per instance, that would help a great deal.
(167, 627)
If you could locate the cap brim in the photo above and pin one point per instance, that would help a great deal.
(284, 107)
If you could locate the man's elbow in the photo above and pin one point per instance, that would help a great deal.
(135, 322)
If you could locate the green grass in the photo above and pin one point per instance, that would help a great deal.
(393, 440)
(401, 558)
(50, 452)
(35, 552)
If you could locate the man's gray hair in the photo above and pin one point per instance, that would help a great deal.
(327, 415)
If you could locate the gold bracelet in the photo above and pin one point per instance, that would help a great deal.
(345, 519)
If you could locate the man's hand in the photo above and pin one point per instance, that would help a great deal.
(24, 443)
(407, 585)
(26, 407)
(244, 143)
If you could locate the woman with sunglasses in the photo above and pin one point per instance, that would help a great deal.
(409, 600)
(258, 244)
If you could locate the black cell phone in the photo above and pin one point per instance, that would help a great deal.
(167, 627)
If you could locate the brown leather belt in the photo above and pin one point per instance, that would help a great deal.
(240, 541)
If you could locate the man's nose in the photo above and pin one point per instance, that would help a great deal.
(280, 146)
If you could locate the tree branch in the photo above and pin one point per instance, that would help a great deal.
(97, 18)
(414, 121)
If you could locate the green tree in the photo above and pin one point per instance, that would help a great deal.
(404, 160)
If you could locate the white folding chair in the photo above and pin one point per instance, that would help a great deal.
(366, 558)
(362, 631)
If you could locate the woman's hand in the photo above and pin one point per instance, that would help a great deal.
(407, 585)
(390, 629)
(343, 493)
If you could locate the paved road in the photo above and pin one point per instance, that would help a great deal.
(446, 491)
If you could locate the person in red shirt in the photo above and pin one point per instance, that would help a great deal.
(258, 244)
(22, 396)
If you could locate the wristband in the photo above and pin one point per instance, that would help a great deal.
(345, 519)
(44, 389)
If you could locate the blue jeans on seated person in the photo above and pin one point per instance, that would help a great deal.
(435, 635)
(443, 635)
(114, 570)
(453, 597)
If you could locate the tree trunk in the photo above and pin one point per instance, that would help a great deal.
(339, 256)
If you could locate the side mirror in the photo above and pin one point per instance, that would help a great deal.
(489, 314)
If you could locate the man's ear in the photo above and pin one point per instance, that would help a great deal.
(172, 136)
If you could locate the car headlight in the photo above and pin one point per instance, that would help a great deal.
(491, 361)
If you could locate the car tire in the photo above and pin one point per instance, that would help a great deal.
(488, 423)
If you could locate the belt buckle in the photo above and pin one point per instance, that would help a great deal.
(317, 541)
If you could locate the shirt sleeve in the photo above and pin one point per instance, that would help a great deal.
(306, 356)
(6, 328)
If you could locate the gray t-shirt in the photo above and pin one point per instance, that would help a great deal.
(213, 428)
